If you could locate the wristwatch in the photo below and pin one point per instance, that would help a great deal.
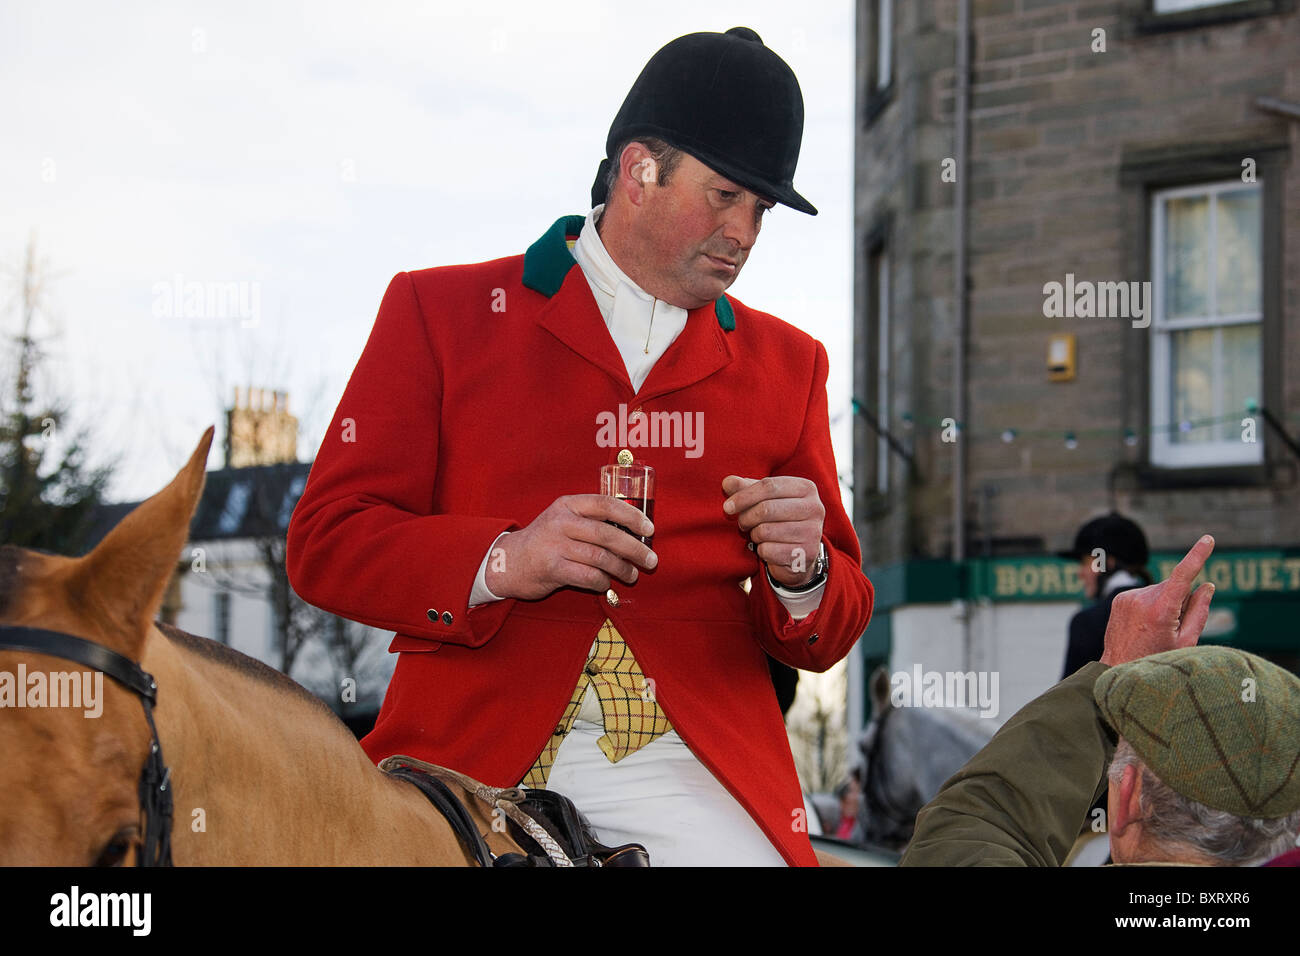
(819, 573)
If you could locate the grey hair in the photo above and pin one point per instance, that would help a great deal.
(1175, 822)
(666, 159)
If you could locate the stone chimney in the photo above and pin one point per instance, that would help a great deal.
(259, 429)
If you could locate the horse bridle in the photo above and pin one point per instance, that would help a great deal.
(155, 791)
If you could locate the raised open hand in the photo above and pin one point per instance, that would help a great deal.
(1163, 616)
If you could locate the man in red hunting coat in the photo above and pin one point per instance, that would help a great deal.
(453, 497)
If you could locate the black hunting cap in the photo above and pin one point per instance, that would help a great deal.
(727, 100)
(1116, 535)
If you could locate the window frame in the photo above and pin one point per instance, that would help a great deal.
(879, 290)
(870, 502)
(1150, 20)
(1142, 171)
(879, 95)
(1164, 453)
(1186, 5)
(222, 612)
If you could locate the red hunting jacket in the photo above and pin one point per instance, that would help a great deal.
(475, 405)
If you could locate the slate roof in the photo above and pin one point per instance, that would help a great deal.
(249, 502)
(237, 503)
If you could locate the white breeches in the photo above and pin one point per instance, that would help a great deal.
(662, 797)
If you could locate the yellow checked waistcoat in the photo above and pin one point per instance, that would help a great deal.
(632, 717)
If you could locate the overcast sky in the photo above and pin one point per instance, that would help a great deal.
(310, 151)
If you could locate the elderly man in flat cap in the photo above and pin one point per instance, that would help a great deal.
(555, 637)
(1202, 743)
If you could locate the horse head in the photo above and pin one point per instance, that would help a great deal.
(908, 753)
(73, 741)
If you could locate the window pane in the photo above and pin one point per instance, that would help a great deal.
(221, 609)
(1172, 6)
(1191, 384)
(1241, 374)
(881, 275)
(884, 42)
(1237, 258)
(1187, 227)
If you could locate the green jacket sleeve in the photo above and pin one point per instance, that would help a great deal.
(1022, 799)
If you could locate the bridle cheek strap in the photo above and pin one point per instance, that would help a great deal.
(155, 801)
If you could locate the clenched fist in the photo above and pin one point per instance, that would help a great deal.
(783, 517)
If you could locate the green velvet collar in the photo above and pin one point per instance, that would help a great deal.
(548, 261)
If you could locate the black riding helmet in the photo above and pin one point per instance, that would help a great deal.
(1116, 535)
(726, 99)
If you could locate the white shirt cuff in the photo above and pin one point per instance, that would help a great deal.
(481, 593)
(799, 603)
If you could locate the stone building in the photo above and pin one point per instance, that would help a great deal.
(1118, 183)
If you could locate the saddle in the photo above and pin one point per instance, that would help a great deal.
(544, 824)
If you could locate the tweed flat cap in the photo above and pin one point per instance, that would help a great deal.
(1216, 724)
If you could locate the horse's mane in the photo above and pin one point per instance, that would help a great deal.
(248, 666)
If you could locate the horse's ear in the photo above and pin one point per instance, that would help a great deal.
(122, 581)
(879, 691)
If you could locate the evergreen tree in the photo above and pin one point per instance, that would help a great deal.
(48, 495)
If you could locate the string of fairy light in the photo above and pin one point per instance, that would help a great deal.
(1070, 437)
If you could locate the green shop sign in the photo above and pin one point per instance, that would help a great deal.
(1256, 601)
(1236, 574)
